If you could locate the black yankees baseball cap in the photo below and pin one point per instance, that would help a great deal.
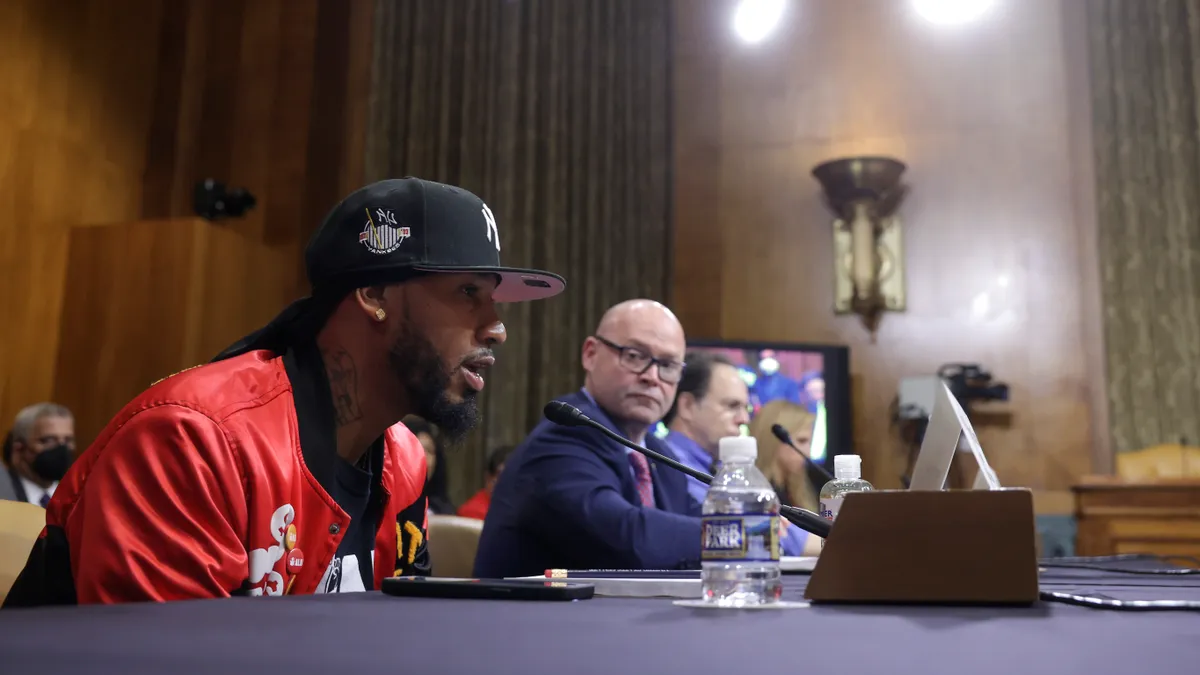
(390, 229)
(390, 232)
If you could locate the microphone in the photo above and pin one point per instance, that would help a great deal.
(568, 415)
(786, 438)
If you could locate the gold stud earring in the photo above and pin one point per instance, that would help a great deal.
(380, 315)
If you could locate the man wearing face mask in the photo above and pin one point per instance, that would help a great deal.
(772, 384)
(43, 446)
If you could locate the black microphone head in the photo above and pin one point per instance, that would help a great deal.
(564, 414)
(781, 433)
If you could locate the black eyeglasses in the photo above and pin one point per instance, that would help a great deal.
(637, 361)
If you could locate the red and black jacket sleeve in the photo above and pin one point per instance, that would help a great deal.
(162, 518)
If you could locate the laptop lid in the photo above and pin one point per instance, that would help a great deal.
(948, 427)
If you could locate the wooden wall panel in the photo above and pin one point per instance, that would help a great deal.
(110, 112)
(121, 356)
(173, 298)
(257, 94)
(74, 105)
(698, 247)
(997, 232)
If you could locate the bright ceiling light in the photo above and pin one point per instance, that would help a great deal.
(753, 20)
(948, 12)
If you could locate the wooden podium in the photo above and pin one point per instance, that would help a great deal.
(1116, 516)
(954, 547)
(145, 299)
(926, 545)
(1151, 506)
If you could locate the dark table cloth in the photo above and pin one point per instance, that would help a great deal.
(372, 633)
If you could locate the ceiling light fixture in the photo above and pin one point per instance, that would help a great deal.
(754, 20)
(951, 12)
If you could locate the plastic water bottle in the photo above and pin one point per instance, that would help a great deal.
(740, 531)
(847, 477)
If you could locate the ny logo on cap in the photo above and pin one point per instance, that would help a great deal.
(382, 234)
(490, 222)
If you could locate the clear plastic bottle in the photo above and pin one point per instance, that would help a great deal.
(740, 531)
(847, 477)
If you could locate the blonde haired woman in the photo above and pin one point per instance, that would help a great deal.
(785, 468)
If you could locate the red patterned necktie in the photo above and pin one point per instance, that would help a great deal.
(641, 474)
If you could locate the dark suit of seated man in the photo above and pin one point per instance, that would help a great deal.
(572, 498)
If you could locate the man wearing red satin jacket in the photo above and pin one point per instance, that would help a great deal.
(282, 467)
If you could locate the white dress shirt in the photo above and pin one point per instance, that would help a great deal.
(34, 492)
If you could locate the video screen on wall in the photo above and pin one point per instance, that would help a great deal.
(806, 388)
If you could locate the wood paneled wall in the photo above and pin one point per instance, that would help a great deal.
(992, 120)
(112, 111)
(76, 100)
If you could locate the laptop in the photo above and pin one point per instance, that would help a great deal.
(948, 427)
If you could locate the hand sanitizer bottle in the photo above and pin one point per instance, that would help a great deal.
(847, 477)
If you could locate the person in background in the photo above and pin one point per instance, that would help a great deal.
(8, 491)
(786, 469)
(814, 391)
(712, 403)
(6, 456)
(477, 506)
(750, 376)
(772, 383)
(436, 475)
(812, 385)
(43, 447)
(573, 498)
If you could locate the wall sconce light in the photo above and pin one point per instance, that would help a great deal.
(864, 193)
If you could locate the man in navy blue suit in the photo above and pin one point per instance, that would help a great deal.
(572, 498)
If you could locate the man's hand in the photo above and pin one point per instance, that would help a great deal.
(812, 545)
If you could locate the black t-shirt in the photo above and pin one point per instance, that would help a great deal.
(352, 568)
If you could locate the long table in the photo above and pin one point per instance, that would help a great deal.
(372, 633)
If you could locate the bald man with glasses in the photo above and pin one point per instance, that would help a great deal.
(572, 498)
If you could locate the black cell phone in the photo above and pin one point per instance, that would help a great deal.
(487, 589)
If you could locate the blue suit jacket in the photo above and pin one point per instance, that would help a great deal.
(567, 499)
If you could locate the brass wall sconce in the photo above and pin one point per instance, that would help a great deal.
(864, 193)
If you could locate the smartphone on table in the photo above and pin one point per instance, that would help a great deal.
(486, 589)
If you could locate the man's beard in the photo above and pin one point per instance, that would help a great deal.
(426, 381)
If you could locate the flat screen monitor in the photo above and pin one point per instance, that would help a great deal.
(805, 378)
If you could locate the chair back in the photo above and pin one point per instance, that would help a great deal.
(20, 525)
(1160, 462)
(453, 541)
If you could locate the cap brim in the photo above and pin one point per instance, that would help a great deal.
(516, 285)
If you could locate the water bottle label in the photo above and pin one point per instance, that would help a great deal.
(739, 538)
(830, 507)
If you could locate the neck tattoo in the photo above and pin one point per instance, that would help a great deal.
(343, 384)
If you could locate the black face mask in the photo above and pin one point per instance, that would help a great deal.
(52, 464)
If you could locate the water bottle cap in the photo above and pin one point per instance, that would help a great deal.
(847, 466)
(738, 449)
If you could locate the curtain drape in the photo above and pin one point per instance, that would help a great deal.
(1145, 62)
(558, 115)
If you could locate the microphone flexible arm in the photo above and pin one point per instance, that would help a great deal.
(568, 415)
(783, 435)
